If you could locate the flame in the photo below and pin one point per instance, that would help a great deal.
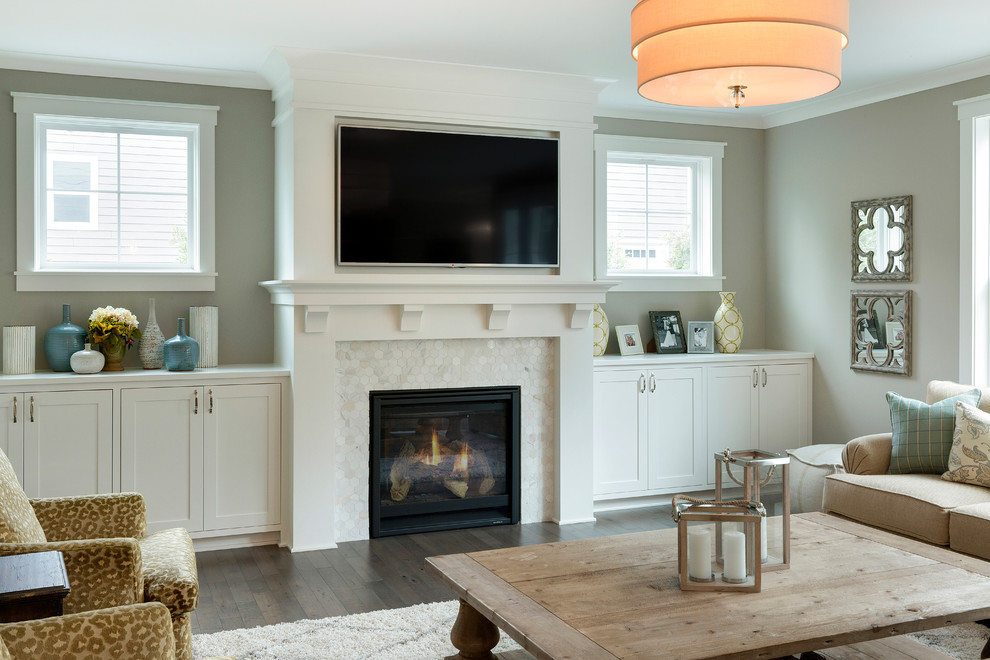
(461, 463)
(434, 458)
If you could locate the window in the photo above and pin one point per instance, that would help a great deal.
(658, 213)
(114, 195)
(974, 240)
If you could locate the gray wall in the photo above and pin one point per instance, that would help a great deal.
(244, 218)
(742, 233)
(815, 168)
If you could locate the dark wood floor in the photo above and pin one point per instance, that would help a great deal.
(264, 585)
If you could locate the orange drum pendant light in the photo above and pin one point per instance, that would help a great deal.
(713, 53)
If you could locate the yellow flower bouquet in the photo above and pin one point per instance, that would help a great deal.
(109, 327)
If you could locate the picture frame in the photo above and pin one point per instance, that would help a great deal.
(701, 337)
(668, 332)
(630, 343)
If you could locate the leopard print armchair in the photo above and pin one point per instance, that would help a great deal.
(127, 632)
(109, 557)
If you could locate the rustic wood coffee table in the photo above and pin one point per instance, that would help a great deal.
(618, 597)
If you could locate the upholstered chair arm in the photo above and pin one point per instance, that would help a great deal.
(129, 632)
(107, 516)
(102, 572)
(868, 454)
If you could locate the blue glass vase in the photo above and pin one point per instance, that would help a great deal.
(181, 352)
(62, 341)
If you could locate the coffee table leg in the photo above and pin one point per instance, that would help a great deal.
(473, 635)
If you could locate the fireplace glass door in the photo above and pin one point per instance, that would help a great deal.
(444, 459)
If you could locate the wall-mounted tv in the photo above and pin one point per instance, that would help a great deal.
(436, 198)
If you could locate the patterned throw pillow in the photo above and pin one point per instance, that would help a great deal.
(18, 522)
(922, 433)
(969, 458)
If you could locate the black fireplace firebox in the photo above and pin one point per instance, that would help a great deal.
(444, 459)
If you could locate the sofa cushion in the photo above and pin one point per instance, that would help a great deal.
(939, 390)
(969, 529)
(18, 522)
(969, 458)
(922, 433)
(917, 505)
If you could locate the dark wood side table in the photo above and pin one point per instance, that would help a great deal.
(32, 586)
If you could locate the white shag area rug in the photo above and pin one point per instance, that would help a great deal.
(422, 632)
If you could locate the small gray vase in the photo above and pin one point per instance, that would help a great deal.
(152, 339)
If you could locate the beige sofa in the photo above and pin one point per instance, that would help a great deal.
(923, 506)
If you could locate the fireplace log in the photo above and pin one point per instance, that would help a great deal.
(458, 487)
(397, 476)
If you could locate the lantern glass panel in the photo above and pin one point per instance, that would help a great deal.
(759, 476)
(703, 528)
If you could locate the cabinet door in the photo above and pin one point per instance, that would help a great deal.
(242, 446)
(161, 453)
(11, 436)
(677, 446)
(784, 404)
(68, 443)
(620, 438)
(733, 413)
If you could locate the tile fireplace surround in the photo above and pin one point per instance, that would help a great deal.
(404, 365)
(344, 330)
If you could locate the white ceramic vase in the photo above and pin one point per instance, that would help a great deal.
(203, 327)
(152, 339)
(87, 361)
(18, 349)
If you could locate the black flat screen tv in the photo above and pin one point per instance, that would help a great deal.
(428, 198)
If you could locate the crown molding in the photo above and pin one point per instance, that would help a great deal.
(83, 66)
(676, 115)
(921, 82)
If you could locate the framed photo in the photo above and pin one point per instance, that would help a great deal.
(701, 337)
(668, 332)
(629, 340)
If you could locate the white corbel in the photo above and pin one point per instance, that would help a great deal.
(581, 315)
(498, 316)
(317, 318)
(410, 317)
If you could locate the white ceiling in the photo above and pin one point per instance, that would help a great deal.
(896, 46)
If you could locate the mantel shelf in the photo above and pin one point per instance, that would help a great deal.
(467, 290)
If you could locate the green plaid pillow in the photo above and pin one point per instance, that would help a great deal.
(923, 433)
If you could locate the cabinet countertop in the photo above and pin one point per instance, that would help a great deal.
(670, 359)
(138, 375)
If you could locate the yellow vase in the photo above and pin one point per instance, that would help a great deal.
(114, 355)
(728, 324)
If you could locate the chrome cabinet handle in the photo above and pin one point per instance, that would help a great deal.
(653, 383)
(211, 401)
(756, 377)
(32, 409)
(642, 383)
(764, 378)
(196, 402)
(15, 410)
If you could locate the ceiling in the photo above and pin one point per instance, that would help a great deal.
(896, 46)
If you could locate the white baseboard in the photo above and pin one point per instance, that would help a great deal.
(235, 541)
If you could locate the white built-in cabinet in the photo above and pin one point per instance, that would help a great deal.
(204, 457)
(59, 442)
(202, 447)
(659, 419)
(648, 423)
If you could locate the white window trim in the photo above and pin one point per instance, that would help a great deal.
(715, 151)
(30, 278)
(974, 240)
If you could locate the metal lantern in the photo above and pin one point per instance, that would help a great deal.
(760, 476)
(735, 527)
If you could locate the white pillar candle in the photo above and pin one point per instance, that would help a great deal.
(699, 554)
(18, 349)
(734, 552)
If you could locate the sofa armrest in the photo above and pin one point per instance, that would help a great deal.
(868, 454)
(102, 572)
(107, 516)
(130, 632)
